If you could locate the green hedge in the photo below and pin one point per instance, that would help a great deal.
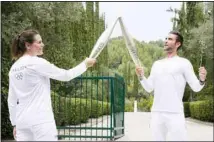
(96, 109)
(129, 106)
(145, 104)
(6, 127)
(186, 109)
(202, 110)
(76, 111)
(73, 111)
(106, 108)
(206, 93)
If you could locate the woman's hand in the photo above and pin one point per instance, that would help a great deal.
(14, 132)
(90, 62)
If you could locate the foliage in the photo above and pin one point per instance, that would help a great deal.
(186, 109)
(196, 28)
(6, 127)
(129, 105)
(202, 110)
(73, 111)
(145, 104)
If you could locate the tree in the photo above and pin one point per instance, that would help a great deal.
(135, 87)
(182, 22)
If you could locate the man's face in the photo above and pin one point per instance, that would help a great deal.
(170, 43)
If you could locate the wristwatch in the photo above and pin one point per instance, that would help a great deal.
(202, 82)
(141, 78)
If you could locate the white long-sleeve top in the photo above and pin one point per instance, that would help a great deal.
(29, 84)
(168, 79)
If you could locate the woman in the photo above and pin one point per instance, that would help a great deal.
(29, 98)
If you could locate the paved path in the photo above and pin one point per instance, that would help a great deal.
(137, 128)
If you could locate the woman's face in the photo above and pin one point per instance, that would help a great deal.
(37, 46)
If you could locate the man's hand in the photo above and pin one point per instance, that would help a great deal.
(139, 71)
(14, 132)
(90, 62)
(202, 74)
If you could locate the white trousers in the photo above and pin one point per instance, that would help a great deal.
(40, 132)
(168, 126)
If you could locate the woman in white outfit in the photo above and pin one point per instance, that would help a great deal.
(29, 98)
(168, 79)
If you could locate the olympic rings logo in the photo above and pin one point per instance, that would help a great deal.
(19, 76)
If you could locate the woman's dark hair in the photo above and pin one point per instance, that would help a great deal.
(179, 38)
(18, 45)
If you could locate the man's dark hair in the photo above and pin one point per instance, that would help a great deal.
(179, 37)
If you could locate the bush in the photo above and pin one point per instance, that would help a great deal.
(145, 104)
(129, 106)
(67, 110)
(202, 110)
(58, 108)
(206, 93)
(106, 108)
(186, 109)
(6, 127)
(76, 111)
(95, 108)
(73, 111)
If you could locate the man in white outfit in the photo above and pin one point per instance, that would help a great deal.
(168, 79)
(29, 98)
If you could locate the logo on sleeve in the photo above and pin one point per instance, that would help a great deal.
(19, 76)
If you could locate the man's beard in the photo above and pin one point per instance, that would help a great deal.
(168, 49)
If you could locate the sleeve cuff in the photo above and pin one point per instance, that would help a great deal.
(142, 79)
(202, 83)
(83, 66)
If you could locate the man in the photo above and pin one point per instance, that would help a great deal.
(168, 79)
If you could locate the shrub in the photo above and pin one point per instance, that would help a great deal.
(206, 93)
(202, 110)
(6, 127)
(145, 104)
(129, 106)
(95, 108)
(76, 111)
(73, 111)
(106, 108)
(68, 111)
(186, 109)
